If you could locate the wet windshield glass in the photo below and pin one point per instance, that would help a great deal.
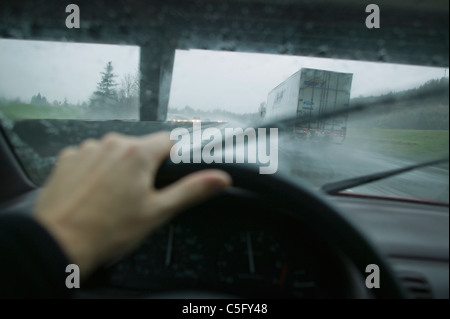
(94, 84)
(244, 88)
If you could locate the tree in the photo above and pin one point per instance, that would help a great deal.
(106, 86)
(129, 88)
(105, 96)
(39, 100)
(262, 109)
(128, 96)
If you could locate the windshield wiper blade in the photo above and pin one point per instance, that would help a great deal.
(335, 187)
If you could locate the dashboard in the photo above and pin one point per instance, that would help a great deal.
(253, 251)
(247, 247)
(206, 249)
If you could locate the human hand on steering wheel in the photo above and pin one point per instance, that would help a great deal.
(100, 200)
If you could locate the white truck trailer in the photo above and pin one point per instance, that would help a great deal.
(309, 94)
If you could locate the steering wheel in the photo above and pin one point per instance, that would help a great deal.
(312, 208)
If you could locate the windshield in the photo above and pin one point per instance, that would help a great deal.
(71, 91)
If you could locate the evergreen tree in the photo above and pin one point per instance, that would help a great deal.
(105, 97)
(106, 86)
(39, 100)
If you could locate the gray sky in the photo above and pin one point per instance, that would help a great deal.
(59, 69)
(237, 82)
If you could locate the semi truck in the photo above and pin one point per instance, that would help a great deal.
(306, 96)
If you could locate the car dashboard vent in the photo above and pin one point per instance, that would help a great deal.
(416, 285)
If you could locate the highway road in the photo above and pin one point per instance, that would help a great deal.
(320, 163)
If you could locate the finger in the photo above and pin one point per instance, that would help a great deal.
(155, 147)
(67, 152)
(65, 159)
(88, 144)
(189, 190)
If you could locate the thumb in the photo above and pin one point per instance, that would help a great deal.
(186, 192)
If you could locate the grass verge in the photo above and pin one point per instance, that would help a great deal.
(20, 111)
(402, 143)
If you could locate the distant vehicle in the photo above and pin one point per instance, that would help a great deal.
(309, 94)
(177, 118)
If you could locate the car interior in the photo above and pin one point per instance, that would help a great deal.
(304, 242)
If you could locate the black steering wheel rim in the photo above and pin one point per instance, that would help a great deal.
(317, 211)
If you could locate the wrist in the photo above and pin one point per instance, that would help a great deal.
(76, 247)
